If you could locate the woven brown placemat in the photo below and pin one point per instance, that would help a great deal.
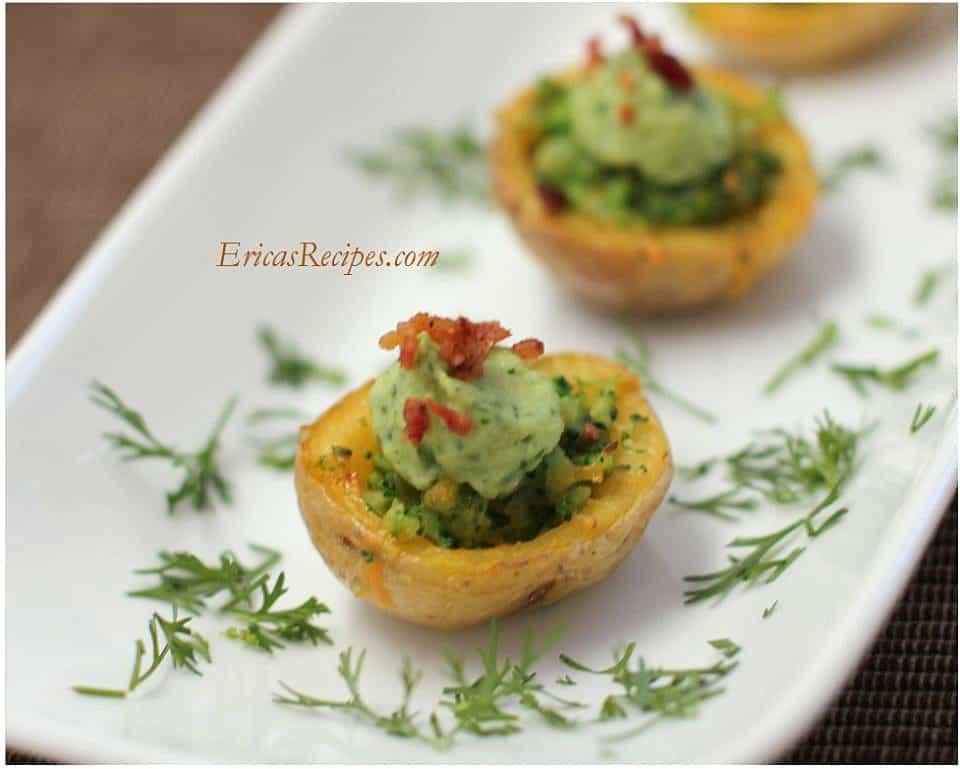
(96, 93)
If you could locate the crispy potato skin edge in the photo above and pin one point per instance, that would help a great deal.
(807, 38)
(421, 583)
(656, 270)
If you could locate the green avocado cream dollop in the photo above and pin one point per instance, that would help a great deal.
(625, 114)
(514, 411)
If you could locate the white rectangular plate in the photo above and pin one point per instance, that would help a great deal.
(150, 314)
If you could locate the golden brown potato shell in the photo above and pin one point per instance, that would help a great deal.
(648, 269)
(420, 582)
(802, 36)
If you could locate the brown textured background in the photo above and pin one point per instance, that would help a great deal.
(96, 93)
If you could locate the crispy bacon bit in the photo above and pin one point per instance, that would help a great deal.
(589, 434)
(457, 423)
(635, 32)
(611, 447)
(416, 419)
(408, 352)
(664, 64)
(731, 181)
(553, 200)
(528, 349)
(671, 70)
(626, 80)
(464, 344)
(626, 114)
(595, 55)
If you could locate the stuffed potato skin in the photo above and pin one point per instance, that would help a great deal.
(803, 37)
(420, 582)
(648, 269)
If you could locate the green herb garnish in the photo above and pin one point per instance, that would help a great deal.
(944, 195)
(278, 452)
(784, 468)
(921, 416)
(726, 647)
(186, 581)
(289, 366)
(455, 260)
(888, 323)
(928, 284)
(450, 165)
(769, 610)
(896, 378)
(719, 505)
(491, 704)
(180, 642)
(664, 692)
(266, 628)
(826, 336)
(638, 361)
(764, 562)
(202, 477)
(860, 158)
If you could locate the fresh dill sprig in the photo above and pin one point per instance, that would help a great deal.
(764, 561)
(726, 647)
(489, 705)
(889, 323)
(186, 581)
(479, 706)
(896, 378)
(927, 285)
(769, 610)
(278, 452)
(944, 194)
(202, 477)
(720, 505)
(921, 416)
(266, 628)
(185, 647)
(663, 692)
(825, 338)
(866, 157)
(638, 361)
(289, 366)
(455, 260)
(401, 722)
(783, 467)
(448, 164)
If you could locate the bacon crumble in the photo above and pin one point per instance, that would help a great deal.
(553, 200)
(528, 349)
(664, 64)
(416, 417)
(626, 114)
(595, 56)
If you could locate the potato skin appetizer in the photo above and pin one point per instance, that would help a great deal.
(656, 268)
(802, 36)
(421, 582)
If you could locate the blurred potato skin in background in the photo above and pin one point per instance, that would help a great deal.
(803, 36)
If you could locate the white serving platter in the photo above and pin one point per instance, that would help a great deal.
(149, 313)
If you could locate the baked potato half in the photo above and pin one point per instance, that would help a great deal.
(656, 269)
(799, 36)
(420, 582)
